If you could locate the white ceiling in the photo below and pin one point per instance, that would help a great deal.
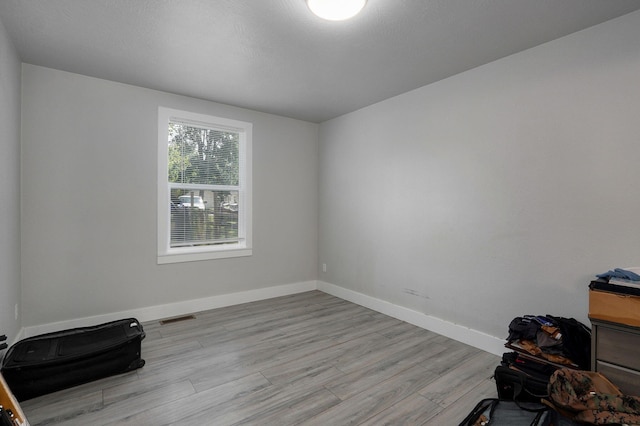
(275, 56)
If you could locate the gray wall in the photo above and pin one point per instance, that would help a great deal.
(493, 193)
(89, 201)
(9, 186)
(497, 192)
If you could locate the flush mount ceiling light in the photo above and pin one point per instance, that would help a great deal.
(336, 10)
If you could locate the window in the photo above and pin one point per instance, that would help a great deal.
(204, 187)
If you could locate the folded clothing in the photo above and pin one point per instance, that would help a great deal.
(620, 273)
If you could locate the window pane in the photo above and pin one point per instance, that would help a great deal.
(203, 156)
(203, 217)
(204, 187)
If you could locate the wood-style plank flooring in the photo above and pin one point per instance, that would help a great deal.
(304, 359)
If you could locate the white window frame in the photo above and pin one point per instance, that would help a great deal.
(243, 247)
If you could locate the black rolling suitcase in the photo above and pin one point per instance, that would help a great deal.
(49, 362)
(495, 412)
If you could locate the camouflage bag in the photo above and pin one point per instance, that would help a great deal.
(587, 396)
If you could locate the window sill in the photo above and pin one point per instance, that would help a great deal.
(194, 256)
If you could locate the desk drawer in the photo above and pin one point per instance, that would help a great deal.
(618, 347)
(627, 380)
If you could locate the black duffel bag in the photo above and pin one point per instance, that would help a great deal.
(519, 387)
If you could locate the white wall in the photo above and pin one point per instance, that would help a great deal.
(89, 201)
(494, 193)
(9, 186)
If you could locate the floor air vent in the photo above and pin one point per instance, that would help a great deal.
(177, 319)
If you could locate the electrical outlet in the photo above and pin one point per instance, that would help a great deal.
(324, 267)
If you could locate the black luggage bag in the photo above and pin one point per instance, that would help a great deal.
(495, 412)
(49, 362)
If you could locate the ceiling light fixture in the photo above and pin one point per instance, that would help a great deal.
(336, 10)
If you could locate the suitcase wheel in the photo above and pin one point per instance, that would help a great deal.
(139, 363)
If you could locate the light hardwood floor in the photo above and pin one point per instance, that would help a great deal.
(304, 359)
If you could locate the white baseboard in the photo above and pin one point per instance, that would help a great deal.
(153, 313)
(457, 332)
(18, 337)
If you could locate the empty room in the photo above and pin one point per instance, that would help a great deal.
(316, 219)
